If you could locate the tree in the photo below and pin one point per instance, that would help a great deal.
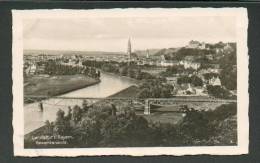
(69, 115)
(217, 91)
(164, 134)
(76, 113)
(195, 126)
(196, 81)
(210, 75)
(61, 125)
(85, 105)
(123, 71)
(144, 93)
(131, 73)
(183, 80)
(60, 115)
(173, 70)
(48, 128)
(228, 77)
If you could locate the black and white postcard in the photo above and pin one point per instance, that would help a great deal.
(131, 81)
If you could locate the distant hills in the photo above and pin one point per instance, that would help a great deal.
(144, 52)
(89, 53)
(70, 52)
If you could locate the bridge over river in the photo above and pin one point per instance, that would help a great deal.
(147, 102)
(35, 117)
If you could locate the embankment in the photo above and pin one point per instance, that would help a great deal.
(56, 85)
(130, 92)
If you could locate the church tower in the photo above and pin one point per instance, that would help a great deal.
(129, 49)
(147, 53)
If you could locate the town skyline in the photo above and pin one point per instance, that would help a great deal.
(125, 51)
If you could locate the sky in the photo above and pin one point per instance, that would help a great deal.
(112, 33)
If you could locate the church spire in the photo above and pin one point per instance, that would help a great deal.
(129, 48)
(129, 51)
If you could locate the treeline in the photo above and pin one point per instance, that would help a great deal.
(228, 75)
(194, 80)
(125, 70)
(92, 72)
(177, 69)
(218, 92)
(183, 52)
(105, 126)
(53, 68)
(122, 69)
(156, 88)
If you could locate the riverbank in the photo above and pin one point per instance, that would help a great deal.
(123, 77)
(56, 85)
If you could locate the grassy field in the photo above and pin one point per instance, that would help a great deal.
(130, 92)
(55, 85)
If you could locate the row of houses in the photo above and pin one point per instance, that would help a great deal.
(33, 68)
(189, 89)
(162, 62)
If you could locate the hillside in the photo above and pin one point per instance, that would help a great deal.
(169, 51)
(181, 53)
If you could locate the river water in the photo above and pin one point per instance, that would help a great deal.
(110, 84)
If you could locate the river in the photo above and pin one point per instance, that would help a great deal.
(110, 84)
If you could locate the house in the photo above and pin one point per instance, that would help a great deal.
(31, 69)
(196, 45)
(202, 45)
(219, 50)
(166, 63)
(200, 91)
(209, 70)
(213, 70)
(193, 44)
(186, 89)
(190, 64)
(171, 80)
(228, 48)
(214, 81)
